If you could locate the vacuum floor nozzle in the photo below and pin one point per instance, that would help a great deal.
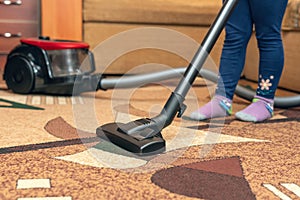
(134, 137)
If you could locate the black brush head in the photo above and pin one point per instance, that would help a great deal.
(136, 142)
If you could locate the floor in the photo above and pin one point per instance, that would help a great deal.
(49, 149)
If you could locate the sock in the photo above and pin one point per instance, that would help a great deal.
(219, 106)
(259, 110)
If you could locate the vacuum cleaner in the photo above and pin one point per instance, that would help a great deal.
(41, 65)
(58, 66)
(143, 136)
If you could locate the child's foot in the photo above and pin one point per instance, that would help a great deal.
(259, 110)
(219, 106)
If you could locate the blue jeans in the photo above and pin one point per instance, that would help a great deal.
(266, 18)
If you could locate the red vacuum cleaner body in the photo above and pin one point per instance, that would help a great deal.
(41, 65)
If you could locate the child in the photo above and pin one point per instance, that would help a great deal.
(266, 17)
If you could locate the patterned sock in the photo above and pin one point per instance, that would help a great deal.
(259, 110)
(219, 106)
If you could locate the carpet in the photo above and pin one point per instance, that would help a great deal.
(49, 149)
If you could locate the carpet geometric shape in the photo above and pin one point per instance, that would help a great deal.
(206, 180)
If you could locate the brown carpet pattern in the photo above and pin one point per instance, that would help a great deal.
(41, 140)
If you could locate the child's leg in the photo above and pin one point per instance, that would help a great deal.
(267, 17)
(238, 31)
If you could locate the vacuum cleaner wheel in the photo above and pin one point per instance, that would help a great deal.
(19, 75)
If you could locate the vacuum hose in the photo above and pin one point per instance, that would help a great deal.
(143, 79)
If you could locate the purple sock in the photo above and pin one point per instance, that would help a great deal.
(259, 110)
(219, 106)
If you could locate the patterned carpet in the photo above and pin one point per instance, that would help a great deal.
(49, 150)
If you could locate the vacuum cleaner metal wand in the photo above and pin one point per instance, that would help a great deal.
(205, 48)
(144, 135)
(196, 64)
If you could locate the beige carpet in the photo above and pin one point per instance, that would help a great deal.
(48, 148)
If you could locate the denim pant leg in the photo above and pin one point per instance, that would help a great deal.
(238, 31)
(267, 17)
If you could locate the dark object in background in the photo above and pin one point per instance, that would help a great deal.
(41, 65)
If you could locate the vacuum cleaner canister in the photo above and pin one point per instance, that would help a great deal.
(41, 65)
